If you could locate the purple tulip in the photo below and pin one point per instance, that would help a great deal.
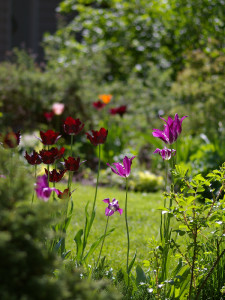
(122, 170)
(171, 131)
(43, 190)
(112, 207)
(165, 153)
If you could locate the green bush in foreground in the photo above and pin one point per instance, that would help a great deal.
(27, 270)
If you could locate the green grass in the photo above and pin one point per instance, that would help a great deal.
(143, 218)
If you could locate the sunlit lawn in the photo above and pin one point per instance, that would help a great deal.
(143, 218)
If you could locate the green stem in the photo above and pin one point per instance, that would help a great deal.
(53, 193)
(88, 227)
(96, 188)
(193, 262)
(128, 238)
(103, 241)
(208, 275)
(71, 146)
(176, 155)
(166, 174)
(48, 168)
(69, 180)
(48, 173)
(35, 175)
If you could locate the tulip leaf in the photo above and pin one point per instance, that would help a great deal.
(96, 243)
(78, 242)
(64, 255)
(132, 262)
(140, 275)
(58, 245)
(87, 222)
(67, 222)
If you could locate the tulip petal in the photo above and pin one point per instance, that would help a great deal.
(120, 210)
(126, 163)
(121, 169)
(107, 200)
(114, 170)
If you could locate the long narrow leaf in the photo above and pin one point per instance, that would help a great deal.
(79, 243)
(67, 222)
(87, 222)
(96, 243)
(132, 262)
(57, 246)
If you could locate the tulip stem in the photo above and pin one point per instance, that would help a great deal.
(69, 181)
(48, 169)
(166, 174)
(87, 227)
(128, 238)
(48, 173)
(71, 145)
(35, 175)
(96, 188)
(103, 240)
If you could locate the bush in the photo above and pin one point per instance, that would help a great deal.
(25, 91)
(145, 181)
(27, 269)
(199, 91)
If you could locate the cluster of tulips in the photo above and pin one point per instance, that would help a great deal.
(50, 156)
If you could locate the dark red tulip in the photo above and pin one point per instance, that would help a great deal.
(49, 137)
(72, 126)
(64, 195)
(11, 139)
(97, 137)
(72, 164)
(99, 105)
(34, 158)
(55, 176)
(121, 110)
(59, 153)
(49, 156)
(48, 115)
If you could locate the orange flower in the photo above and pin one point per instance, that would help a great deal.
(105, 98)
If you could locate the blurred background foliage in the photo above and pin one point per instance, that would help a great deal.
(156, 57)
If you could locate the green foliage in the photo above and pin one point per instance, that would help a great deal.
(25, 91)
(145, 181)
(27, 269)
(199, 90)
(131, 33)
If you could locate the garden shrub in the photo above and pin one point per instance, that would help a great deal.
(132, 33)
(27, 269)
(145, 181)
(25, 91)
(199, 90)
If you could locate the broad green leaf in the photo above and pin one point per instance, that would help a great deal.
(140, 275)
